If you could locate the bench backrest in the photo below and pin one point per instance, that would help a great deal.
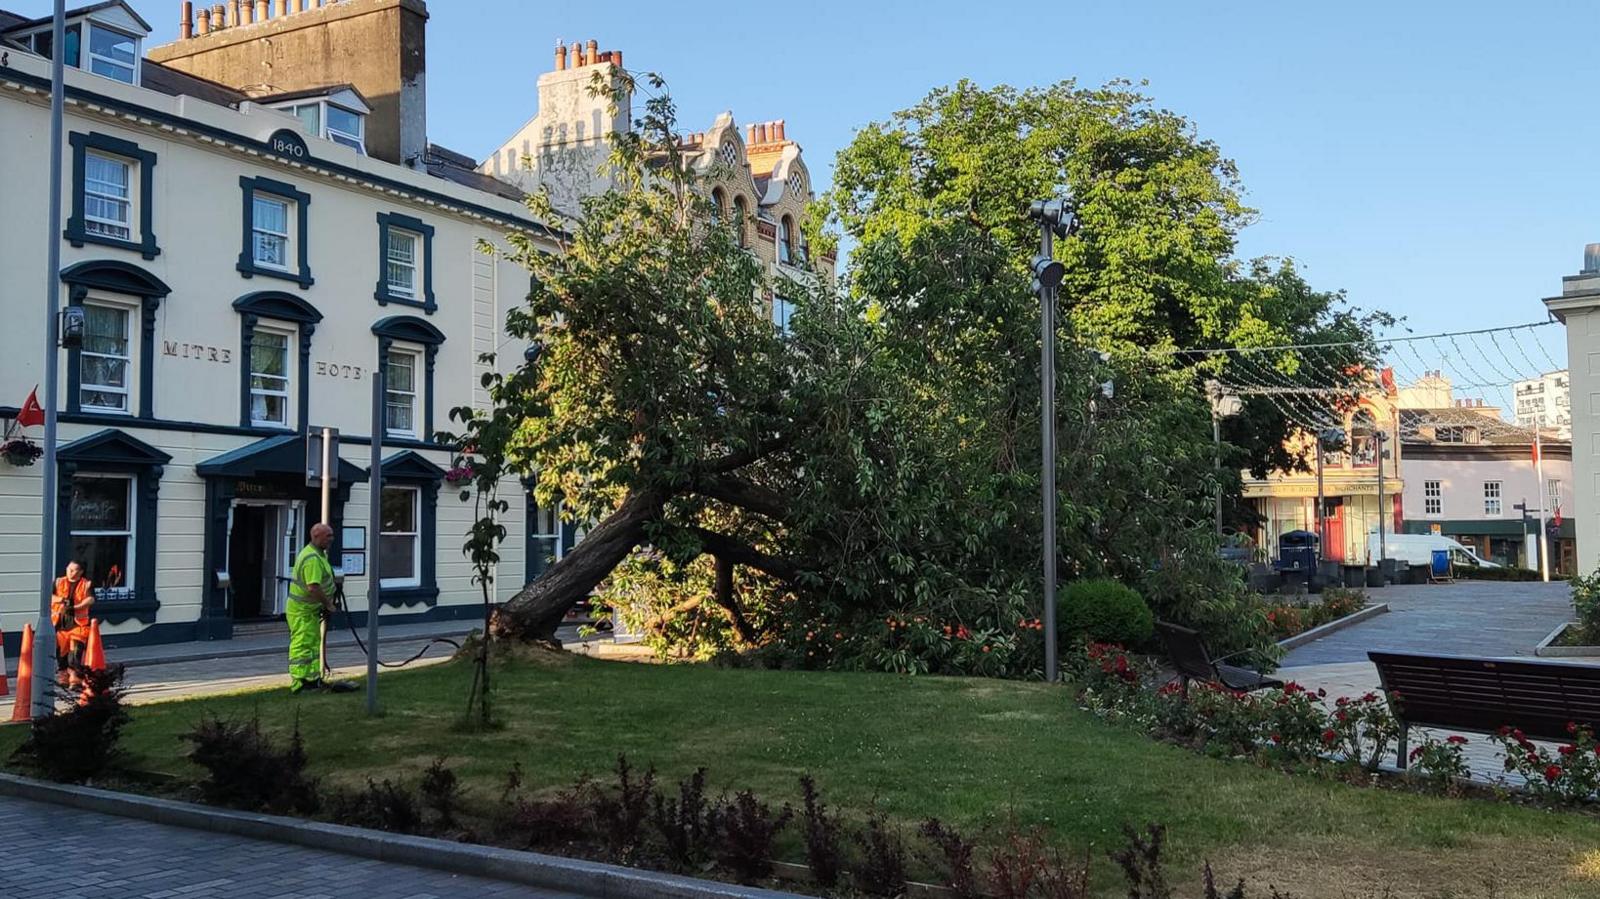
(1187, 651)
(1484, 695)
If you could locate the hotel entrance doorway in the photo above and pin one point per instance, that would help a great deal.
(263, 536)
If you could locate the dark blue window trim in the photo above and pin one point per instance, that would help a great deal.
(77, 225)
(408, 469)
(410, 329)
(276, 306)
(113, 452)
(129, 280)
(302, 203)
(387, 220)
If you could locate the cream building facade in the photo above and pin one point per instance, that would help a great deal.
(242, 273)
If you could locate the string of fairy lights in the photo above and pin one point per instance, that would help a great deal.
(1464, 378)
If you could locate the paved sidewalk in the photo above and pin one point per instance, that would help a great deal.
(134, 859)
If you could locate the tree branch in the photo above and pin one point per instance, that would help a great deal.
(729, 600)
(724, 547)
(745, 495)
(739, 459)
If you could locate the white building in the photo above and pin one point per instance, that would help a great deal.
(1545, 402)
(1479, 485)
(243, 270)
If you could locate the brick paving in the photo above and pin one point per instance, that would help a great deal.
(134, 859)
(1480, 618)
(1475, 618)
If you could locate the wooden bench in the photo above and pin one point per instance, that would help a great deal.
(1188, 654)
(1484, 695)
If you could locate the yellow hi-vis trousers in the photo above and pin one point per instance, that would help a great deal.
(305, 643)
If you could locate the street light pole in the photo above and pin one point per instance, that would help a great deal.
(1054, 217)
(44, 637)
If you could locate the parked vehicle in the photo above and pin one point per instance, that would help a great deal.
(1417, 549)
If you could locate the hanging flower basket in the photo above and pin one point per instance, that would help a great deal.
(459, 475)
(20, 452)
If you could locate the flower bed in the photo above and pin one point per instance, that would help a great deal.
(1290, 619)
(1298, 728)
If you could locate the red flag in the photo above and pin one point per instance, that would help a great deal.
(1535, 452)
(31, 412)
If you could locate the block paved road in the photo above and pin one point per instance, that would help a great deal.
(134, 859)
(1474, 618)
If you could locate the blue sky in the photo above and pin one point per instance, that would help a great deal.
(1435, 160)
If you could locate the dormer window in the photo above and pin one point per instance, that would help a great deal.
(339, 115)
(112, 49)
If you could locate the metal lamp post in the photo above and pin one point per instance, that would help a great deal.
(1223, 405)
(44, 639)
(1055, 218)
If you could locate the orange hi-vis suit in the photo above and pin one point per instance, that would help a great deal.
(69, 610)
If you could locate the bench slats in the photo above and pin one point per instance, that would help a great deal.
(1472, 694)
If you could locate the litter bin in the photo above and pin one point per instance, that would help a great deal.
(1298, 555)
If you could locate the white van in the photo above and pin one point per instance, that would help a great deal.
(1417, 549)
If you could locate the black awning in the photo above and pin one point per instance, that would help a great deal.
(281, 456)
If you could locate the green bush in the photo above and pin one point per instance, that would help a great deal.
(1104, 611)
(1586, 608)
(1475, 573)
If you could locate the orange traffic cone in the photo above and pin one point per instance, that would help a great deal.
(23, 710)
(5, 685)
(94, 655)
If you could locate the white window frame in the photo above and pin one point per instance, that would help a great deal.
(129, 374)
(1433, 498)
(356, 141)
(287, 393)
(91, 221)
(288, 235)
(416, 540)
(1553, 492)
(87, 55)
(131, 532)
(390, 263)
(389, 391)
(1493, 504)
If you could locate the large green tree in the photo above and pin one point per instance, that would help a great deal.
(863, 490)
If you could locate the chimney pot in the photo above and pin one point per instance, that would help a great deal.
(616, 58)
(577, 55)
(778, 131)
(219, 17)
(1591, 258)
(186, 23)
(594, 51)
(203, 25)
(261, 10)
(282, 8)
(233, 13)
(749, 134)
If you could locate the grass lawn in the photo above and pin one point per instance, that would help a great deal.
(974, 752)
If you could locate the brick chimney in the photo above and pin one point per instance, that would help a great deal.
(377, 46)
